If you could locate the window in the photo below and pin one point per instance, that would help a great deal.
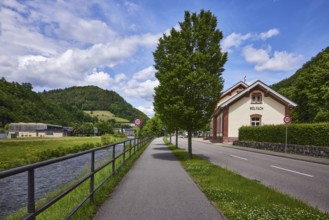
(256, 98)
(255, 121)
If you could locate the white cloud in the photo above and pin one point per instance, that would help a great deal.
(144, 74)
(253, 55)
(140, 89)
(279, 61)
(148, 110)
(270, 33)
(234, 40)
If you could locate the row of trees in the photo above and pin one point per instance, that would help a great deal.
(189, 64)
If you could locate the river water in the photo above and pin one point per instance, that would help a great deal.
(13, 189)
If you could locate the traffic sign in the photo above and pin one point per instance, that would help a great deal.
(287, 119)
(138, 122)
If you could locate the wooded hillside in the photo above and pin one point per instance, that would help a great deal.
(309, 88)
(94, 98)
(18, 103)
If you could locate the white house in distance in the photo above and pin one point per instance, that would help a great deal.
(243, 105)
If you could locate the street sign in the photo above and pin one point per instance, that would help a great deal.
(138, 122)
(287, 119)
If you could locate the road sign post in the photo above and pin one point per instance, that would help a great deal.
(287, 120)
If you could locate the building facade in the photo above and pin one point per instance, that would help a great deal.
(38, 130)
(243, 105)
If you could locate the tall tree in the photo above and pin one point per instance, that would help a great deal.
(189, 64)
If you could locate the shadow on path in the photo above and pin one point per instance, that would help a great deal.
(170, 157)
(165, 148)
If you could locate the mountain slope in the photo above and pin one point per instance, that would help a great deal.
(18, 103)
(94, 98)
(309, 88)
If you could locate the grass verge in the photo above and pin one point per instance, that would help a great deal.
(240, 198)
(63, 207)
(22, 151)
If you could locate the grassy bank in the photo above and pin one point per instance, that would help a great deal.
(66, 204)
(240, 198)
(22, 151)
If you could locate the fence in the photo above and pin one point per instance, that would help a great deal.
(134, 145)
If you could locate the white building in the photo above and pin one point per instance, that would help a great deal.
(243, 105)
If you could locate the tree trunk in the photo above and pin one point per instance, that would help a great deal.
(189, 136)
(176, 138)
(170, 137)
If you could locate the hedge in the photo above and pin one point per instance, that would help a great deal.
(301, 134)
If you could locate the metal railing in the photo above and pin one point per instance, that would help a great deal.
(33, 211)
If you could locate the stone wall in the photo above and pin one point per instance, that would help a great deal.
(307, 150)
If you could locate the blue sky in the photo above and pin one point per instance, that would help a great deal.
(59, 44)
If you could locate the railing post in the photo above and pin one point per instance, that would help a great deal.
(113, 159)
(136, 140)
(92, 170)
(124, 151)
(30, 193)
(130, 149)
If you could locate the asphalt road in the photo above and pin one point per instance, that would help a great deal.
(303, 180)
(157, 187)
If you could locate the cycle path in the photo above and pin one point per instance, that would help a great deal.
(157, 187)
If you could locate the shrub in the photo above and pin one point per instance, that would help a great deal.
(301, 134)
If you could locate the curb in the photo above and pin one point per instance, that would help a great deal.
(318, 160)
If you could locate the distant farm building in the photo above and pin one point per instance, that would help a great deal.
(38, 130)
(129, 131)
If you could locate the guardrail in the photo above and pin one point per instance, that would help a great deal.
(134, 145)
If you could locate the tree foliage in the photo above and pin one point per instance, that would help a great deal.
(189, 64)
(309, 88)
(153, 127)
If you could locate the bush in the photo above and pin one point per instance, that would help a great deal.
(301, 134)
(112, 138)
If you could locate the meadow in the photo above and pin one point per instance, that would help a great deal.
(106, 115)
(22, 151)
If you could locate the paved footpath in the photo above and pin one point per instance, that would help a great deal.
(157, 187)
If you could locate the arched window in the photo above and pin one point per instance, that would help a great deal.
(256, 98)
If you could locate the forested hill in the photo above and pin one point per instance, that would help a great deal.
(94, 98)
(309, 88)
(18, 103)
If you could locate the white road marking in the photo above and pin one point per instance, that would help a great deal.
(292, 171)
(242, 158)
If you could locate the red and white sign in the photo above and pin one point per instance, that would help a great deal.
(138, 122)
(287, 119)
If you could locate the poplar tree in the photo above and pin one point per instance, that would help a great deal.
(189, 64)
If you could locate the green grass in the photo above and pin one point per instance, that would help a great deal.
(22, 151)
(106, 115)
(240, 198)
(64, 206)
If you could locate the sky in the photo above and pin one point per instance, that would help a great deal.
(110, 44)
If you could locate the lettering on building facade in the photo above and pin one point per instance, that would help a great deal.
(256, 108)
